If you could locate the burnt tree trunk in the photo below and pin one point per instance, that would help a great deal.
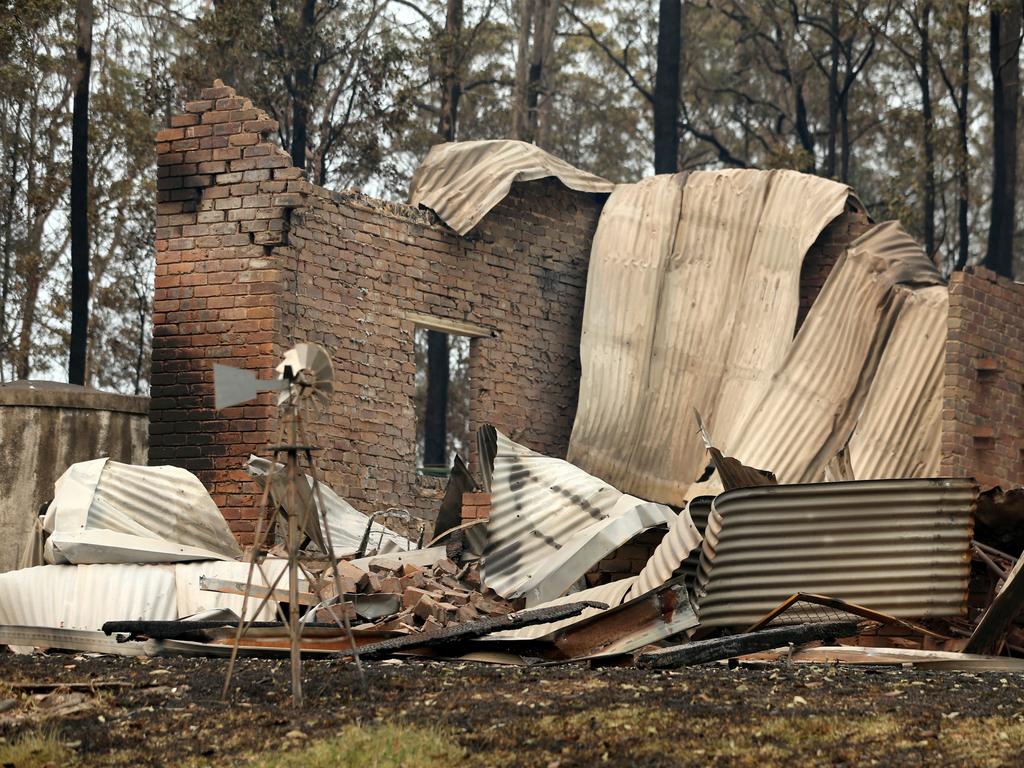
(541, 60)
(962, 178)
(302, 83)
(666, 87)
(451, 84)
(1004, 48)
(522, 69)
(833, 90)
(803, 128)
(80, 196)
(435, 423)
(928, 120)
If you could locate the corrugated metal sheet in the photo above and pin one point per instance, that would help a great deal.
(85, 596)
(670, 554)
(897, 546)
(192, 600)
(899, 431)
(810, 408)
(692, 296)
(154, 506)
(550, 522)
(462, 181)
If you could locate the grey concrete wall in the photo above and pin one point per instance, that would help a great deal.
(45, 427)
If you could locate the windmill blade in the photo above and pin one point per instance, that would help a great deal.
(233, 386)
(312, 368)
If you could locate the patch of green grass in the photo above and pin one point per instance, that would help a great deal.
(386, 745)
(34, 750)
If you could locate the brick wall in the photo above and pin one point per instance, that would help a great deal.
(251, 258)
(983, 399)
(476, 506)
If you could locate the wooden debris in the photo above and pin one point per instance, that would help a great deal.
(704, 651)
(997, 619)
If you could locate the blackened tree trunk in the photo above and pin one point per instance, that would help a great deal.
(522, 69)
(80, 196)
(451, 83)
(927, 118)
(541, 62)
(302, 82)
(435, 447)
(1004, 48)
(833, 90)
(962, 159)
(803, 128)
(666, 87)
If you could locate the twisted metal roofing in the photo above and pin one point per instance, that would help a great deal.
(692, 298)
(551, 522)
(462, 181)
(897, 546)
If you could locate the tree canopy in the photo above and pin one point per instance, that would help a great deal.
(914, 104)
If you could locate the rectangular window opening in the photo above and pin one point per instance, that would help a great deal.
(441, 399)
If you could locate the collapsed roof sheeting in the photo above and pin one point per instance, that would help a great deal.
(346, 524)
(86, 596)
(153, 514)
(668, 557)
(692, 297)
(899, 430)
(897, 546)
(462, 181)
(811, 405)
(551, 522)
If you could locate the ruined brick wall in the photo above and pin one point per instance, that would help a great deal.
(983, 397)
(823, 255)
(252, 258)
(360, 269)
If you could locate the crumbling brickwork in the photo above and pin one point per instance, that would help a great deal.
(252, 258)
(983, 397)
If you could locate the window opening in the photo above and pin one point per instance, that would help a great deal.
(441, 399)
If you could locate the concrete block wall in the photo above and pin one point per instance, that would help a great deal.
(983, 397)
(252, 258)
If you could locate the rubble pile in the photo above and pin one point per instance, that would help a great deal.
(402, 597)
(863, 572)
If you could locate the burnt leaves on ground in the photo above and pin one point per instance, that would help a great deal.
(549, 716)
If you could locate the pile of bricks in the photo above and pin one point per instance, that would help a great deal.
(425, 598)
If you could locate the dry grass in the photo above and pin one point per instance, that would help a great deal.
(34, 750)
(387, 745)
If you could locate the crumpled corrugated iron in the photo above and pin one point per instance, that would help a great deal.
(462, 181)
(898, 546)
(107, 512)
(813, 402)
(692, 298)
(551, 522)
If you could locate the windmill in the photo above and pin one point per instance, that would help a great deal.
(305, 383)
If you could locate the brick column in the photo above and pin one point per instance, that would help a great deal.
(983, 386)
(223, 198)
